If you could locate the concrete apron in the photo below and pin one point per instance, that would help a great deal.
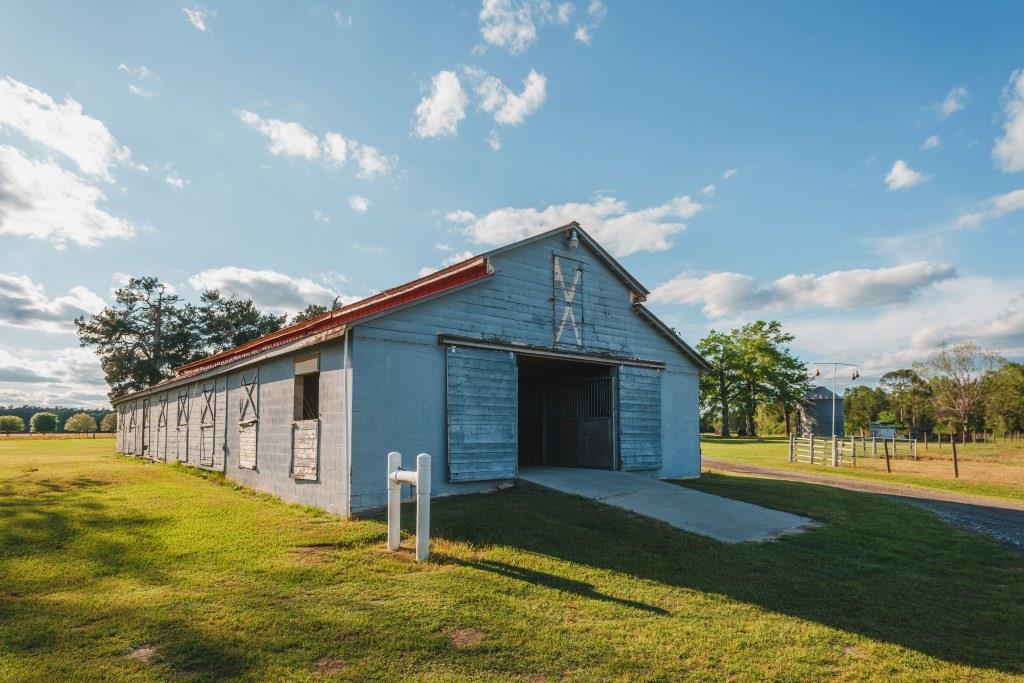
(723, 519)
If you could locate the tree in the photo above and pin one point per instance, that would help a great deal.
(43, 423)
(1004, 398)
(142, 336)
(908, 395)
(11, 423)
(227, 322)
(80, 423)
(313, 310)
(955, 374)
(109, 423)
(717, 385)
(861, 406)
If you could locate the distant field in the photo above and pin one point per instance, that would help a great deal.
(985, 469)
(117, 569)
(57, 435)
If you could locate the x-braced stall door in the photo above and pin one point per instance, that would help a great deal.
(161, 430)
(482, 414)
(207, 420)
(145, 427)
(181, 426)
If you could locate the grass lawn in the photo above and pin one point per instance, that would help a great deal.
(113, 568)
(985, 469)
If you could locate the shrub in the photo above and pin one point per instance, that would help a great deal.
(11, 423)
(109, 423)
(80, 422)
(43, 423)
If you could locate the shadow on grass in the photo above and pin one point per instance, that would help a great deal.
(876, 567)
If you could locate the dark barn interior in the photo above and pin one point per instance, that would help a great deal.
(566, 416)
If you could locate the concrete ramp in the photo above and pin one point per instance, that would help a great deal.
(723, 519)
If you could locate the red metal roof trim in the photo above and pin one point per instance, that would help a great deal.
(454, 276)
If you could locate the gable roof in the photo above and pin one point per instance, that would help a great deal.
(456, 276)
(819, 393)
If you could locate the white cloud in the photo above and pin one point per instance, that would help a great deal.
(449, 260)
(729, 174)
(62, 127)
(609, 220)
(901, 177)
(954, 102)
(1008, 150)
(23, 303)
(494, 141)
(287, 138)
(341, 19)
(931, 142)
(993, 207)
(199, 17)
(175, 180)
(358, 203)
(723, 294)
(141, 76)
(39, 199)
(335, 149)
(508, 107)
(439, 113)
(564, 12)
(268, 289)
(63, 377)
(320, 217)
(508, 24)
(709, 189)
(596, 12)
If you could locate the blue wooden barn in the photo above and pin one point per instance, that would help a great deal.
(537, 354)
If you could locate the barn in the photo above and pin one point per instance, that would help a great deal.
(537, 354)
(816, 413)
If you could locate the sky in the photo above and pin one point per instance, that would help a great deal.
(853, 170)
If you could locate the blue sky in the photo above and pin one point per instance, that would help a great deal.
(856, 171)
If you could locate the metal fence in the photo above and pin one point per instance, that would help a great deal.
(837, 451)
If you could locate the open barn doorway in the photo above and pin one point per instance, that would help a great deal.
(566, 415)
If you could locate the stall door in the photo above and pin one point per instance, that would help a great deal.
(639, 418)
(482, 411)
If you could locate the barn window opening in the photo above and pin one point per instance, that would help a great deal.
(566, 415)
(307, 388)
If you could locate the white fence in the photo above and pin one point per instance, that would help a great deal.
(835, 451)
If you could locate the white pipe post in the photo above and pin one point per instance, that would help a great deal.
(394, 501)
(422, 507)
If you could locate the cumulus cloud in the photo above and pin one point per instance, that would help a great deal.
(69, 376)
(358, 203)
(723, 294)
(286, 138)
(508, 24)
(292, 139)
(931, 142)
(729, 174)
(142, 78)
(268, 289)
(954, 102)
(709, 189)
(901, 177)
(23, 303)
(61, 127)
(439, 113)
(176, 181)
(40, 200)
(320, 217)
(609, 220)
(1008, 150)
(199, 17)
(452, 258)
(507, 106)
(596, 12)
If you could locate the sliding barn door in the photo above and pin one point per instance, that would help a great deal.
(639, 418)
(482, 414)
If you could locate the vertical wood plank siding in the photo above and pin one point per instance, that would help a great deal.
(640, 418)
(481, 392)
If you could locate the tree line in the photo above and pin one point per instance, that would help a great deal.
(958, 389)
(45, 422)
(149, 330)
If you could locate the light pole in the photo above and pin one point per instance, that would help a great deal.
(835, 371)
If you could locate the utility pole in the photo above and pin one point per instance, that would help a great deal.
(835, 371)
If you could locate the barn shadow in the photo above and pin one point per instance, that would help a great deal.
(875, 566)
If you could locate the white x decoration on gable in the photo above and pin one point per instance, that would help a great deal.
(568, 285)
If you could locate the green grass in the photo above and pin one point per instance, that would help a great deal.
(103, 556)
(995, 470)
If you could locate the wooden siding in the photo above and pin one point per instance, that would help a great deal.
(640, 418)
(482, 404)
